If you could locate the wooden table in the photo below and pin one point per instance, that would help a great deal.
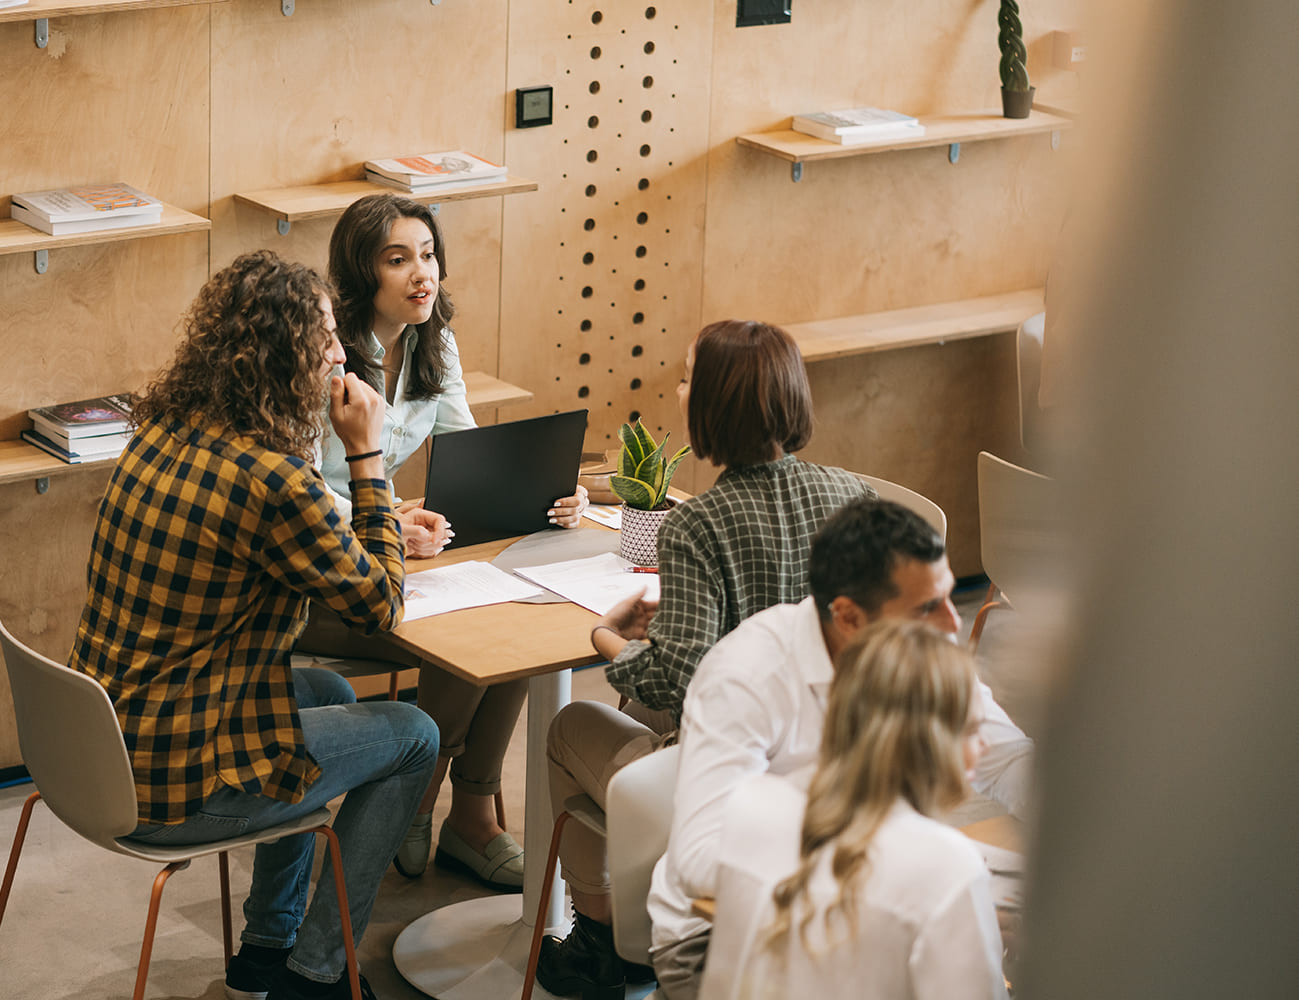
(479, 948)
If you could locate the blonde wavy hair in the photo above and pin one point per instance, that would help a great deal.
(250, 356)
(897, 712)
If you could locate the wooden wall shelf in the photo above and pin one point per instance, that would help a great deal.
(823, 340)
(20, 460)
(18, 237)
(39, 9)
(940, 130)
(317, 201)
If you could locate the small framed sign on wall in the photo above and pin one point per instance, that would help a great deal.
(749, 12)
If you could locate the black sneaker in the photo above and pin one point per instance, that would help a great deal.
(249, 978)
(290, 986)
(584, 963)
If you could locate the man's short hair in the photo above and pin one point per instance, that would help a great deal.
(856, 550)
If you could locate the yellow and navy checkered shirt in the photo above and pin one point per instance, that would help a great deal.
(206, 551)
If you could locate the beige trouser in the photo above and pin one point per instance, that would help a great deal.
(679, 967)
(474, 723)
(587, 743)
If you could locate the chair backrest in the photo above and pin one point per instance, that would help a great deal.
(1017, 524)
(638, 807)
(1028, 365)
(909, 499)
(71, 744)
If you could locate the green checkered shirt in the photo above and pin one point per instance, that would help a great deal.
(205, 552)
(734, 550)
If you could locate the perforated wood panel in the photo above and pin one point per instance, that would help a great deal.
(601, 269)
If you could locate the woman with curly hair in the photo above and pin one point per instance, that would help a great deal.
(387, 259)
(872, 896)
(214, 532)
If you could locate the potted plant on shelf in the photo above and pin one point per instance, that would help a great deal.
(1016, 94)
(641, 482)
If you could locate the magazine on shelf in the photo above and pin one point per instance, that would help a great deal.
(53, 227)
(83, 454)
(428, 169)
(11, 3)
(388, 182)
(85, 418)
(87, 208)
(852, 125)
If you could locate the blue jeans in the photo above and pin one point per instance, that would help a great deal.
(382, 755)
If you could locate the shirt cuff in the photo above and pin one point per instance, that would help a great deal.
(372, 494)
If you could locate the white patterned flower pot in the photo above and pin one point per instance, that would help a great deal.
(640, 535)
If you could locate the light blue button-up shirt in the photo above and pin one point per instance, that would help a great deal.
(406, 422)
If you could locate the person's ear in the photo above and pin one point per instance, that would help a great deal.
(848, 616)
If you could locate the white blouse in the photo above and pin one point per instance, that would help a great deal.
(926, 927)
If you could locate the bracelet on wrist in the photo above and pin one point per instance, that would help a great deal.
(607, 628)
(363, 455)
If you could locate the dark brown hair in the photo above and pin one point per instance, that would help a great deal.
(251, 354)
(354, 247)
(749, 397)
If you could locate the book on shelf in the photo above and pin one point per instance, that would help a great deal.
(425, 170)
(85, 418)
(388, 182)
(84, 452)
(11, 3)
(86, 208)
(854, 125)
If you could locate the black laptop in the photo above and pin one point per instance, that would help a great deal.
(498, 481)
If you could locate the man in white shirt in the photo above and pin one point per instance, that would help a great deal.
(757, 701)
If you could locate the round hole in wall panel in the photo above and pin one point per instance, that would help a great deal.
(593, 121)
(634, 416)
(640, 285)
(584, 359)
(649, 47)
(646, 115)
(587, 292)
(635, 383)
(641, 251)
(649, 13)
(583, 391)
(647, 82)
(588, 225)
(637, 351)
(588, 258)
(596, 17)
(586, 325)
(590, 191)
(594, 87)
(641, 218)
(638, 318)
(645, 150)
(595, 52)
(643, 183)
(592, 156)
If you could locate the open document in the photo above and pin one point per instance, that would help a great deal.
(462, 585)
(597, 583)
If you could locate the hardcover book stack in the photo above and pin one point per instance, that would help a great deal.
(86, 209)
(858, 125)
(85, 431)
(433, 171)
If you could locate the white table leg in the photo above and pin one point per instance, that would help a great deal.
(478, 949)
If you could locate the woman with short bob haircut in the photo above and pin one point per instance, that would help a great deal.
(737, 548)
(881, 900)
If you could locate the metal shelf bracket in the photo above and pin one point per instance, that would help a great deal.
(286, 8)
(1055, 138)
(796, 172)
(282, 226)
(42, 261)
(42, 32)
(953, 152)
(42, 484)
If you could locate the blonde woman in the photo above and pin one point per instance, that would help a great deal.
(872, 897)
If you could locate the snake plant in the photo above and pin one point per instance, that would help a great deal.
(643, 477)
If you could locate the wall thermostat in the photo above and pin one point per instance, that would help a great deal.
(534, 106)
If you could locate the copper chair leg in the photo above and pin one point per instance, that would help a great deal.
(151, 924)
(344, 914)
(19, 836)
(394, 682)
(539, 928)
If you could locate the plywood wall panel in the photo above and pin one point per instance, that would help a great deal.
(602, 268)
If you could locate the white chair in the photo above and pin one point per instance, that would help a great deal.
(909, 499)
(1016, 531)
(1028, 366)
(73, 748)
(635, 828)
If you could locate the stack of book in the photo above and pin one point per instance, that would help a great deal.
(84, 431)
(857, 125)
(86, 209)
(433, 171)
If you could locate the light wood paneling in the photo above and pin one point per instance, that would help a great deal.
(603, 265)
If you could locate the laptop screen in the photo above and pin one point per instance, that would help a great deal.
(495, 482)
